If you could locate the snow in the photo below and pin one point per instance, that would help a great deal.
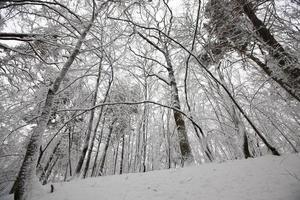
(264, 178)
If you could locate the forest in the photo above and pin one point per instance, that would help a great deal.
(103, 87)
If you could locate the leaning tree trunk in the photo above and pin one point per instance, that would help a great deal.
(46, 168)
(89, 132)
(203, 142)
(289, 76)
(27, 173)
(96, 127)
(49, 171)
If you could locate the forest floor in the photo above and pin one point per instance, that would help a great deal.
(264, 178)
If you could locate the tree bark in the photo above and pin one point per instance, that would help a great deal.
(70, 151)
(27, 172)
(185, 149)
(46, 168)
(106, 148)
(122, 154)
(49, 171)
(288, 64)
(137, 151)
(90, 128)
(116, 152)
(97, 124)
(98, 148)
(144, 128)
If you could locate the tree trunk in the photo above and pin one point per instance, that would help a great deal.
(241, 131)
(122, 154)
(169, 138)
(66, 172)
(90, 128)
(116, 157)
(97, 125)
(287, 63)
(144, 129)
(203, 141)
(236, 118)
(69, 151)
(27, 173)
(129, 151)
(106, 148)
(46, 168)
(98, 148)
(49, 171)
(185, 149)
(137, 154)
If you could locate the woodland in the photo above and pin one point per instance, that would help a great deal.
(103, 87)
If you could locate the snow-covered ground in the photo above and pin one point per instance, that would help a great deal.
(264, 178)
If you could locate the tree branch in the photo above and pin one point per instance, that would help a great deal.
(130, 103)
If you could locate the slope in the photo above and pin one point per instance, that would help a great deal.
(264, 178)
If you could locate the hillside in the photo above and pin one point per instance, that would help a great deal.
(264, 178)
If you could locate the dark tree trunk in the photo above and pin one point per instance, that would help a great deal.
(185, 149)
(106, 148)
(184, 145)
(69, 151)
(246, 147)
(122, 154)
(289, 64)
(49, 171)
(46, 168)
(169, 138)
(144, 142)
